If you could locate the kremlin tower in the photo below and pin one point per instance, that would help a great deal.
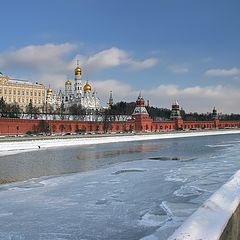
(214, 114)
(78, 88)
(215, 118)
(110, 101)
(140, 115)
(176, 115)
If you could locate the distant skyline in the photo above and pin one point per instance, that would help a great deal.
(168, 49)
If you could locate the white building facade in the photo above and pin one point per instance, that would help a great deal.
(77, 93)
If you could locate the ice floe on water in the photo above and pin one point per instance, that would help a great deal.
(175, 176)
(141, 199)
(220, 145)
(152, 220)
(189, 191)
(157, 216)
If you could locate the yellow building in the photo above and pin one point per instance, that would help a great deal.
(22, 92)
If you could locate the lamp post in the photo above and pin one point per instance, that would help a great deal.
(17, 130)
(46, 111)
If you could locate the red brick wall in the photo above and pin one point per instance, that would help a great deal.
(11, 126)
(163, 126)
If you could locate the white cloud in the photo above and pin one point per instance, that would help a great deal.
(40, 58)
(179, 69)
(53, 63)
(147, 63)
(52, 57)
(196, 98)
(121, 91)
(222, 72)
(106, 59)
(114, 57)
(192, 99)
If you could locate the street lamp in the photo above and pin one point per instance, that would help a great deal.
(17, 130)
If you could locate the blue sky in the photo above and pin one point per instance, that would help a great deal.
(173, 49)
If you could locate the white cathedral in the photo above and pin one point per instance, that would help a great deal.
(76, 93)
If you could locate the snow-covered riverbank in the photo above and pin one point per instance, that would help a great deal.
(210, 220)
(8, 148)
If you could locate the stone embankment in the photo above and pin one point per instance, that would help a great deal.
(217, 219)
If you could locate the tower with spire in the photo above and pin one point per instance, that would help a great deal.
(214, 114)
(68, 88)
(175, 113)
(78, 87)
(140, 115)
(215, 118)
(110, 100)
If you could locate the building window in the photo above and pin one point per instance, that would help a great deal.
(23, 92)
(39, 94)
(18, 92)
(19, 100)
(10, 91)
(14, 92)
(35, 94)
(27, 93)
(5, 91)
(31, 93)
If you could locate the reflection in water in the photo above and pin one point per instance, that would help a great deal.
(56, 161)
(146, 147)
(65, 160)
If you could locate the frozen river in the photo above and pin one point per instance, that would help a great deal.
(126, 190)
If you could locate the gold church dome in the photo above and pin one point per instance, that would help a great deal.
(49, 91)
(78, 71)
(68, 82)
(87, 87)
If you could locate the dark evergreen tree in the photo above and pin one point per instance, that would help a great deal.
(77, 111)
(32, 112)
(159, 113)
(3, 108)
(61, 111)
(14, 111)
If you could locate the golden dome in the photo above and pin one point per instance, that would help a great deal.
(78, 71)
(68, 82)
(49, 91)
(87, 87)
